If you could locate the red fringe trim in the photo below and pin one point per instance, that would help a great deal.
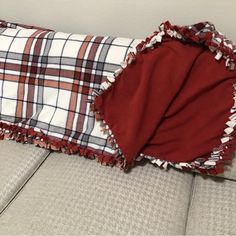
(227, 48)
(24, 135)
(191, 34)
(196, 34)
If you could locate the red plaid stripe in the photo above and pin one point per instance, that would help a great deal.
(47, 79)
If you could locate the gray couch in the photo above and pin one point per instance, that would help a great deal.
(55, 194)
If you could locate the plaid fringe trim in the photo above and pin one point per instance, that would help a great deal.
(220, 156)
(111, 139)
(130, 59)
(203, 34)
(30, 136)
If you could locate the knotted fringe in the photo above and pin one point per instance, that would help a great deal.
(122, 164)
(203, 34)
(24, 135)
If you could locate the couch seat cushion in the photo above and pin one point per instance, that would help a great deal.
(68, 196)
(213, 207)
(17, 164)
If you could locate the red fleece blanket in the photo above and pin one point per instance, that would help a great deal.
(173, 100)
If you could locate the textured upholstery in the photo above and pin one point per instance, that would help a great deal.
(70, 196)
(213, 207)
(230, 170)
(17, 163)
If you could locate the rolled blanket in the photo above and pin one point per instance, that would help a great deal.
(172, 100)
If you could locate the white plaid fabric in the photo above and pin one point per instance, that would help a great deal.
(47, 79)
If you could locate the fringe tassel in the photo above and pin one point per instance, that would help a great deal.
(203, 34)
(24, 135)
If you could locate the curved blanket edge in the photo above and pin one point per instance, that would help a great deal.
(39, 139)
(203, 34)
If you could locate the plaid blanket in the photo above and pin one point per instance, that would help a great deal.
(46, 83)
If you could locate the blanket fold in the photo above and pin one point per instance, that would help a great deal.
(173, 100)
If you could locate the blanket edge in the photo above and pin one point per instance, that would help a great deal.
(204, 34)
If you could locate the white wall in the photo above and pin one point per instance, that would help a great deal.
(129, 18)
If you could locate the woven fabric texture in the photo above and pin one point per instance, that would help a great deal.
(18, 163)
(230, 170)
(213, 207)
(71, 197)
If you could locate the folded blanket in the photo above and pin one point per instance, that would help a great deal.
(172, 102)
(46, 82)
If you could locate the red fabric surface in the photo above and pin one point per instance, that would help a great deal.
(172, 103)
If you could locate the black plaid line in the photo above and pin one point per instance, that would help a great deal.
(84, 138)
(4, 68)
(72, 40)
(86, 75)
(102, 57)
(34, 69)
(41, 78)
(93, 72)
(46, 61)
(61, 55)
(2, 30)
(45, 126)
(40, 104)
